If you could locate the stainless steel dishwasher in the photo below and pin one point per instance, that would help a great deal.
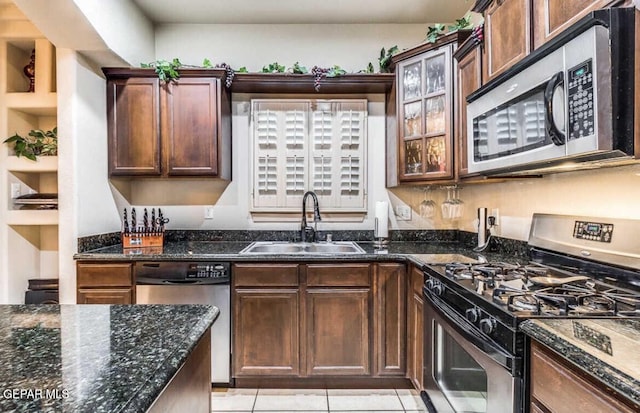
(193, 283)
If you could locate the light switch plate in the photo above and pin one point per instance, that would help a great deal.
(208, 212)
(403, 212)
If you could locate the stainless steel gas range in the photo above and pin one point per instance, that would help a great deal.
(580, 267)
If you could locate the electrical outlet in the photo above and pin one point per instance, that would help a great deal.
(403, 212)
(208, 212)
(495, 213)
(15, 190)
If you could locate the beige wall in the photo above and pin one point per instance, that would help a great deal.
(608, 192)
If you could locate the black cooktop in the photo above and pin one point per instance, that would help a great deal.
(536, 290)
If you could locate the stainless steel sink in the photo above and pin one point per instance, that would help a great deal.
(270, 247)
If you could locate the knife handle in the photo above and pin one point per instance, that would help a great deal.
(145, 222)
(134, 222)
(125, 222)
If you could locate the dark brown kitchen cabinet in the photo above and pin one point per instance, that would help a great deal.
(104, 283)
(507, 26)
(133, 108)
(266, 332)
(551, 17)
(338, 322)
(181, 128)
(469, 74)
(425, 90)
(338, 331)
(319, 320)
(558, 387)
(266, 324)
(513, 28)
(104, 296)
(415, 328)
(389, 318)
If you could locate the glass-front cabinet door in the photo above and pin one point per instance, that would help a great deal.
(424, 112)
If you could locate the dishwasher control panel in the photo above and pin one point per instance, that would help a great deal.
(208, 270)
(182, 272)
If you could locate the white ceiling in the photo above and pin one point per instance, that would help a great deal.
(304, 11)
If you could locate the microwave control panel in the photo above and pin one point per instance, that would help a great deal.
(593, 231)
(581, 103)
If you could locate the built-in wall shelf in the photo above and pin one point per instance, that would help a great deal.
(38, 104)
(29, 246)
(41, 164)
(32, 217)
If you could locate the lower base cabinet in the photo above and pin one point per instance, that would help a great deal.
(104, 296)
(104, 283)
(415, 328)
(190, 388)
(317, 320)
(338, 332)
(558, 387)
(266, 332)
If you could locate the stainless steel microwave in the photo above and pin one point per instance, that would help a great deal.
(569, 102)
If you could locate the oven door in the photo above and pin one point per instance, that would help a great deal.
(463, 371)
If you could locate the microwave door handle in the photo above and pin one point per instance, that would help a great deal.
(557, 137)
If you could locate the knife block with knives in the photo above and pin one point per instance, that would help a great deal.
(146, 235)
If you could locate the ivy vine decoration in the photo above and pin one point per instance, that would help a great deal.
(368, 69)
(167, 71)
(435, 31)
(296, 69)
(274, 67)
(384, 61)
(438, 29)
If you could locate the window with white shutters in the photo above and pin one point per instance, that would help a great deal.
(309, 145)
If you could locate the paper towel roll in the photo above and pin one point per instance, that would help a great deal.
(382, 220)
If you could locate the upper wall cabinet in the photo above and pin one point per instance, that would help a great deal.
(425, 87)
(551, 17)
(469, 77)
(507, 35)
(513, 28)
(181, 128)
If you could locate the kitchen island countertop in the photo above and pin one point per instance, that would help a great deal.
(606, 349)
(94, 358)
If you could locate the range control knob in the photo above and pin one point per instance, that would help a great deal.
(430, 282)
(488, 325)
(473, 314)
(437, 288)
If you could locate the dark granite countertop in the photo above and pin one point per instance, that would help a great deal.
(93, 358)
(606, 349)
(419, 253)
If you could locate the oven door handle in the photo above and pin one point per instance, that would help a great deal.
(557, 137)
(484, 344)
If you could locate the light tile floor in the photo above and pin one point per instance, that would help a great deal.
(312, 400)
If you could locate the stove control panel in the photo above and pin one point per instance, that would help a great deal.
(593, 231)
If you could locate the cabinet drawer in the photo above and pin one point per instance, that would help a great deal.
(331, 275)
(105, 296)
(271, 275)
(105, 275)
(548, 374)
